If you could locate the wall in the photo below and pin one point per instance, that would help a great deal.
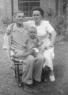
(6, 10)
(15, 5)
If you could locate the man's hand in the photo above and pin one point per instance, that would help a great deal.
(24, 54)
(18, 53)
(24, 45)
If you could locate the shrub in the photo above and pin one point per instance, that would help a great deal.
(6, 21)
(58, 22)
(60, 25)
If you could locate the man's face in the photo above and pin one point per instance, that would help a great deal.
(20, 18)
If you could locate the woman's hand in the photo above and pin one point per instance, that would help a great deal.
(46, 48)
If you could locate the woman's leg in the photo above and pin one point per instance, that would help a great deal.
(48, 59)
(49, 63)
(28, 70)
(38, 67)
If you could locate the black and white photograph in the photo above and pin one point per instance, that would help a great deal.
(33, 47)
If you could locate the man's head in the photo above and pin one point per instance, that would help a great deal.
(19, 17)
(32, 32)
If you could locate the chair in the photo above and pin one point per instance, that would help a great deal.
(18, 72)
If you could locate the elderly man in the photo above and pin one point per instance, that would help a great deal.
(17, 34)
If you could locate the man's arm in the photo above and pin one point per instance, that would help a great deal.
(30, 52)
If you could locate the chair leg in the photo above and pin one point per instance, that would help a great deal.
(18, 75)
(15, 72)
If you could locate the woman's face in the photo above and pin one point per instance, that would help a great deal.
(37, 16)
(20, 18)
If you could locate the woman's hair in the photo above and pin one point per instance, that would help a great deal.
(38, 9)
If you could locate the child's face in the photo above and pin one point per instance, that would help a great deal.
(32, 34)
(19, 18)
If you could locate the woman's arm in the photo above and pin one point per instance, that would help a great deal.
(52, 33)
(53, 36)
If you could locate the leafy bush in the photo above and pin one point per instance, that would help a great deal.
(58, 22)
(60, 25)
(6, 21)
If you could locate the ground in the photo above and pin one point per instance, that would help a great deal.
(8, 84)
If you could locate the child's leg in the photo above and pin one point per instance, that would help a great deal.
(49, 63)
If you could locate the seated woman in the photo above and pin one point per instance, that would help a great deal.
(18, 34)
(44, 29)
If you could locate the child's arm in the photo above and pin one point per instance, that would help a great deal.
(39, 42)
(25, 45)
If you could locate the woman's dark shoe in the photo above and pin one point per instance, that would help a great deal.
(45, 73)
